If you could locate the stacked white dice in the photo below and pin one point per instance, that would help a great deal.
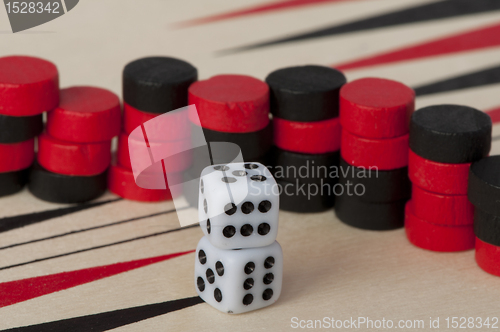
(239, 264)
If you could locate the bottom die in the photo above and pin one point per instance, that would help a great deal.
(241, 280)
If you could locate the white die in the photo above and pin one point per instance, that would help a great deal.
(239, 205)
(237, 281)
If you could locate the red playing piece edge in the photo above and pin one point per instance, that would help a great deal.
(434, 237)
(85, 115)
(70, 158)
(376, 108)
(28, 86)
(385, 154)
(121, 182)
(488, 257)
(17, 156)
(441, 178)
(307, 137)
(449, 210)
(230, 103)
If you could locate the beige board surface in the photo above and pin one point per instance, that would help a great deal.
(331, 270)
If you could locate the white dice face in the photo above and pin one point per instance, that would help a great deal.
(237, 281)
(239, 205)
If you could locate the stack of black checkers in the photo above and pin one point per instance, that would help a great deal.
(233, 116)
(305, 108)
(444, 141)
(152, 86)
(484, 194)
(28, 87)
(75, 151)
(374, 184)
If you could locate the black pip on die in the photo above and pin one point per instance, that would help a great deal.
(239, 264)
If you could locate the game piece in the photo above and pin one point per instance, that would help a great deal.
(307, 137)
(59, 188)
(306, 197)
(447, 210)
(487, 227)
(351, 210)
(238, 205)
(237, 281)
(15, 129)
(85, 115)
(305, 93)
(385, 154)
(28, 86)
(13, 182)
(17, 156)
(436, 237)
(121, 182)
(378, 186)
(157, 84)
(306, 168)
(69, 158)
(450, 134)
(253, 145)
(230, 103)
(442, 178)
(488, 257)
(376, 108)
(484, 185)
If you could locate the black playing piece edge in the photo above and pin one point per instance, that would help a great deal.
(450, 134)
(305, 93)
(253, 145)
(372, 216)
(484, 184)
(487, 227)
(295, 198)
(19, 128)
(157, 84)
(58, 188)
(379, 186)
(13, 182)
(306, 168)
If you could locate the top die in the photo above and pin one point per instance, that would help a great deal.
(238, 205)
(450, 134)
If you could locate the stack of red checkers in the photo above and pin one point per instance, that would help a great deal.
(305, 107)
(28, 87)
(374, 114)
(75, 151)
(444, 141)
(232, 115)
(484, 194)
(152, 86)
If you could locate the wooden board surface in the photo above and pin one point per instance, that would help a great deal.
(331, 270)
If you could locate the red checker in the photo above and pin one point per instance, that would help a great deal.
(385, 154)
(121, 182)
(376, 108)
(28, 86)
(449, 210)
(176, 163)
(17, 156)
(177, 127)
(230, 103)
(70, 158)
(307, 137)
(488, 257)
(434, 237)
(441, 178)
(85, 115)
